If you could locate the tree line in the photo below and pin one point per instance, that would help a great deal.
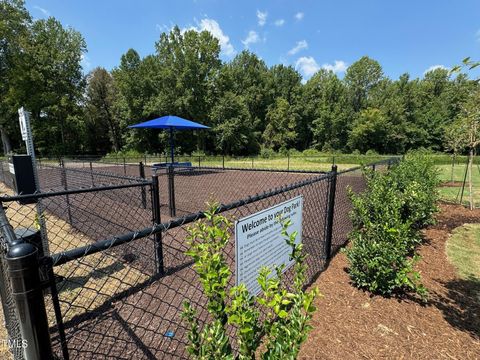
(250, 106)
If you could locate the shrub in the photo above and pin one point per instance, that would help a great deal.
(266, 153)
(285, 325)
(387, 217)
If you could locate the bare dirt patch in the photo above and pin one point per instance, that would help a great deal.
(352, 324)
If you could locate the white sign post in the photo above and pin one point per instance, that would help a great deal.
(259, 242)
(24, 118)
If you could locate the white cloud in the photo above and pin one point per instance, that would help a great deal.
(307, 66)
(337, 67)
(279, 22)
(45, 12)
(85, 62)
(299, 46)
(262, 17)
(251, 38)
(435, 67)
(299, 16)
(214, 28)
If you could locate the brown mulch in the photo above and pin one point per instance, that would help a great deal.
(451, 184)
(352, 324)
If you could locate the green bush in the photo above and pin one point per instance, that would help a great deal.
(387, 217)
(266, 153)
(287, 314)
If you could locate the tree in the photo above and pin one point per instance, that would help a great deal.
(326, 110)
(52, 85)
(469, 126)
(100, 112)
(370, 131)
(15, 22)
(361, 77)
(188, 63)
(282, 120)
(233, 129)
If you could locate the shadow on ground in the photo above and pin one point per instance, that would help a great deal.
(461, 304)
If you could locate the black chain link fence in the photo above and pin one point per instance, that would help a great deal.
(121, 274)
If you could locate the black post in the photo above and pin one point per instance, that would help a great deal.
(91, 173)
(464, 182)
(332, 188)
(156, 221)
(288, 162)
(252, 162)
(65, 186)
(171, 191)
(23, 269)
(144, 194)
(199, 160)
(124, 166)
(373, 167)
(223, 162)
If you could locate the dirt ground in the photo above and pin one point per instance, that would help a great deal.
(351, 324)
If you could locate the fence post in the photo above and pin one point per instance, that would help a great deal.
(156, 221)
(23, 270)
(223, 162)
(288, 162)
(199, 160)
(171, 191)
(124, 166)
(252, 162)
(332, 188)
(91, 174)
(142, 175)
(65, 186)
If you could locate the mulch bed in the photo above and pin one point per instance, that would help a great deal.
(452, 184)
(352, 324)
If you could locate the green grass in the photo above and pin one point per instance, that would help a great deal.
(450, 193)
(463, 250)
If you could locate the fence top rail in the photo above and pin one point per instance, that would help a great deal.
(98, 172)
(392, 160)
(41, 195)
(73, 254)
(249, 169)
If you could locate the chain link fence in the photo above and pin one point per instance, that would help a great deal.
(118, 274)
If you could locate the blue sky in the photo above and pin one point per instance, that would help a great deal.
(403, 35)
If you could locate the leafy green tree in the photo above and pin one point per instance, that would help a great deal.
(282, 121)
(468, 128)
(326, 110)
(370, 131)
(103, 125)
(361, 77)
(15, 22)
(246, 76)
(234, 129)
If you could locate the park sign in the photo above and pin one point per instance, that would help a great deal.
(22, 117)
(259, 242)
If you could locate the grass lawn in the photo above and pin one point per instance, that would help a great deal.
(452, 191)
(463, 251)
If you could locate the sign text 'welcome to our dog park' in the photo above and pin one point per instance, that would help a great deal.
(259, 242)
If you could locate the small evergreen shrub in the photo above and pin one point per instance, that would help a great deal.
(387, 217)
(286, 323)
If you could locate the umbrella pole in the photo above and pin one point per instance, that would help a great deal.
(171, 144)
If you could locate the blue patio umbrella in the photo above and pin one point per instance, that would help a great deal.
(170, 123)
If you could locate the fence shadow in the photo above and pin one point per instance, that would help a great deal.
(461, 304)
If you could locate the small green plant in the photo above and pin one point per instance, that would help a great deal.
(387, 217)
(288, 313)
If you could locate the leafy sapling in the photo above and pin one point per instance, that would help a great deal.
(288, 312)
